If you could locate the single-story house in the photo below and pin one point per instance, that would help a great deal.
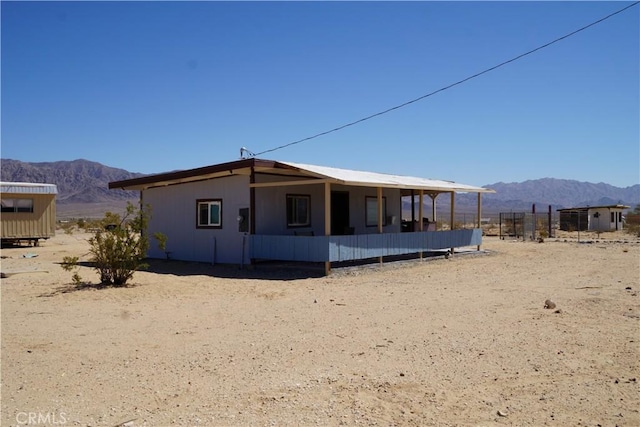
(592, 218)
(28, 211)
(257, 209)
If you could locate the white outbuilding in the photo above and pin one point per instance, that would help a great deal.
(592, 218)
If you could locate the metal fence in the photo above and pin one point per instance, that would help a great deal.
(525, 225)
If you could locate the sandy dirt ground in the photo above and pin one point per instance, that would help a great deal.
(464, 341)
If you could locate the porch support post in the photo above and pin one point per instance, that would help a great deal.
(252, 203)
(252, 207)
(413, 210)
(479, 214)
(421, 214)
(433, 207)
(140, 206)
(380, 215)
(327, 221)
(453, 207)
(421, 209)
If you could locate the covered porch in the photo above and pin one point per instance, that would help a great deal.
(357, 216)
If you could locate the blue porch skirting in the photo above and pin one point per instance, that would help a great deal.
(359, 246)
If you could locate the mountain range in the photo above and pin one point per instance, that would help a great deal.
(558, 193)
(82, 185)
(78, 181)
(83, 189)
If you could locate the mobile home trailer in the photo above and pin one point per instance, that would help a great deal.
(253, 210)
(28, 211)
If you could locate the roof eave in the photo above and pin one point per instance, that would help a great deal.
(427, 188)
(189, 175)
(244, 166)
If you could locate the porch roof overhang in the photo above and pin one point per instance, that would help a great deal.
(374, 179)
(299, 174)
(239, 167)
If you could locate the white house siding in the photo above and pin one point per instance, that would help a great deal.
(604, 222)
(271, 208)
(357, 203)
(174, 214)
(271, 215)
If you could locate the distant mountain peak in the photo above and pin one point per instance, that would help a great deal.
(78, 181)
(563, 193)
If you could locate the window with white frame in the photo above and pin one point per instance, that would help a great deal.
(371, 211)
(17, 205)
(209, 213)
(298, 210)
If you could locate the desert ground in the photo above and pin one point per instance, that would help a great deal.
(463, 341)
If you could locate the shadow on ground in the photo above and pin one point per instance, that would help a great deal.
(82, 286)
(281, 270)
(263, 270)
(267, 270)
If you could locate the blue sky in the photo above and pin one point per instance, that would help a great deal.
(157, 86)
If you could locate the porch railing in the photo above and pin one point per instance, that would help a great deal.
(359, 246)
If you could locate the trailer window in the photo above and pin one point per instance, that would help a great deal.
(17, 205)
(371, 211)
(209, 213)
(298, 210)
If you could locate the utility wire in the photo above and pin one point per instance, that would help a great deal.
(449, 86)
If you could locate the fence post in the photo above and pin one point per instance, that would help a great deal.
(533, 223)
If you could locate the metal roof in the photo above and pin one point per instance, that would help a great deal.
(335, 175)
(27, 188)
(374, 179)
(586, 208)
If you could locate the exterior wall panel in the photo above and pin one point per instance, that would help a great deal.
(173, 212)
(603, 221)
(599, 219)
(272, 216)
(41, 223)
(271, 209)
(357, 201)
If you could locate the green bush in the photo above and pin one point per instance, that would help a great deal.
(162, 242)
(119, 245)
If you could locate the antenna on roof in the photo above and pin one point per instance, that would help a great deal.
(245, 154)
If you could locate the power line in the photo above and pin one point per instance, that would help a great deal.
(449, 86)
